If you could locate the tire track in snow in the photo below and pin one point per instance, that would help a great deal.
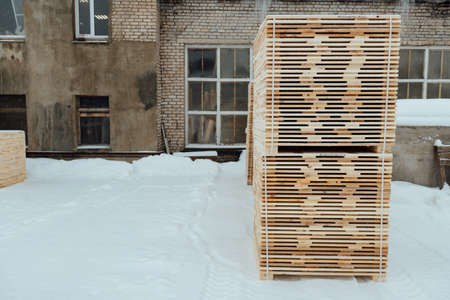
(426, 261)
(223, 280)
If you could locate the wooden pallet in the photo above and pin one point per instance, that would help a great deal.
(322, 214)
(326, 80)
(12, 157)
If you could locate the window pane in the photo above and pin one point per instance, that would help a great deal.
(20, 27)
(235, 63)
(94, 101)
(227, 63)
(410, 90)
(202, 130)
(445, 90)
(18, 5)
(415, 90)
(433, 90)
(438, 90)
(8, 24)
(402, 90)
(202, 63)
(101, 17)
(243, 63)
(434, 64)
(446, 64)
(233, 129)
(13, 114)
(94, 130)
(195, 62)
(209, 100)
(84, 17)
(234, 96)
(416, 64)
(439, 64)
(209, 63)
(411, 64)
(195, 96)
(202, 96)
(403, 67)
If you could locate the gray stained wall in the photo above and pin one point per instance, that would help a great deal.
(51, 69)
(415, 155)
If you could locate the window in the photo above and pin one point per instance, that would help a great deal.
(11, 19)
(91, 19)
(13, 112)
(217, 95)
(93, 118)
(424, 73)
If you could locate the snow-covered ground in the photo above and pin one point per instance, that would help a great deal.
(168, 228)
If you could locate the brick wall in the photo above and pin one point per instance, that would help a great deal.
(222, 22)
(135, 20)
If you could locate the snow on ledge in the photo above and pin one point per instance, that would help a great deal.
(196, 153)
(423, 112)
(12, 131)
(87, 147)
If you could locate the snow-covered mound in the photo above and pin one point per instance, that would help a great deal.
(101, 169)
(170, 165)
(83, 169)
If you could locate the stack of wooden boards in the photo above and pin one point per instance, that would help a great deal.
(12, 157)
(323, 123)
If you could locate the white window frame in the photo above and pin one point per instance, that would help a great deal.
(15, 36)
(218, 113)
(425, 79)
(92, 35)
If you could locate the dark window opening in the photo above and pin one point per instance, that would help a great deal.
(93, 112)
(13, 112)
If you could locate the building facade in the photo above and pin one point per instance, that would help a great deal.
(184, 64)
(88, 79)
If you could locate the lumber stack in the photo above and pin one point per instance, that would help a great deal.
(323, 125)
(12, 157)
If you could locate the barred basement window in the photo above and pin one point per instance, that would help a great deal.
(91, 19)
(13, 112)
(424, 73)
(11, 19)
(93, 121)
(217, 81)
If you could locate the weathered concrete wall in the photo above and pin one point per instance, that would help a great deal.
(13, 71)
(415, 158)
(51, 69)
